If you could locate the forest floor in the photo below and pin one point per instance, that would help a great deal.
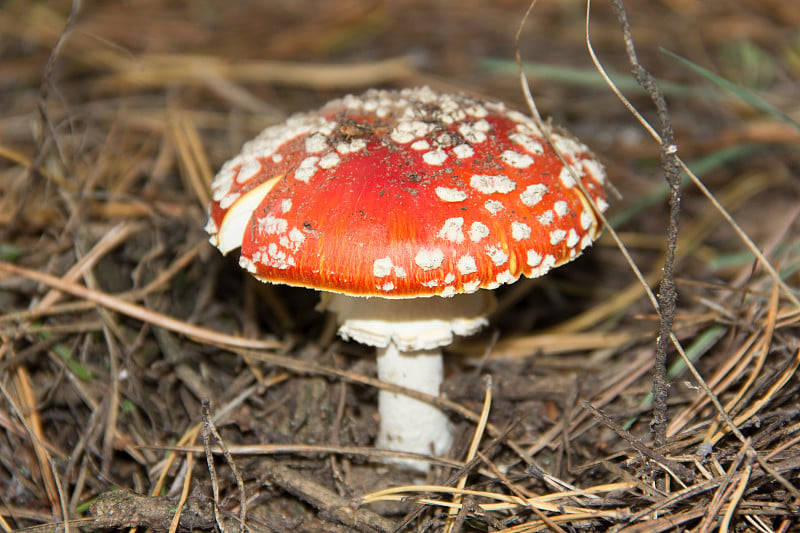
(117, 371)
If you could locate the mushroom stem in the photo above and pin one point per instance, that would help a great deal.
(408, 335)
(408, 424)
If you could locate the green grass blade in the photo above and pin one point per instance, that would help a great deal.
(700, 167)
(587, 77)
(740, 92)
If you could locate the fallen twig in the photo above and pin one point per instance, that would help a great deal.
(328, 503)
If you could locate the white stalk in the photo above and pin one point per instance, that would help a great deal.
(408, 335)
(407, 424)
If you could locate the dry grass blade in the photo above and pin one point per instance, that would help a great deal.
(473, 449)
(794, 491)
(138, 312)
(720, 380)
(186, 439)
(163, 70)
(721, 496)
(787, 291)
(546, 502)
(24, 404)
(159, 282)
(193, 159)
(522, 494)
(736, 498)
(113, 238)
(310, 449)
(187, 485)
(759, 403)
(762, 348)
(513, 347)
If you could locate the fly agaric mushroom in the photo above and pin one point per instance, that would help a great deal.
(401, 206)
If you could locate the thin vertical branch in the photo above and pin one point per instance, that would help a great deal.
(209, 428)
(667, 294)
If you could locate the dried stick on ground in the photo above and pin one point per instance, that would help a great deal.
(330, 505)
(667, 294)
(122, 509)
(209, 428)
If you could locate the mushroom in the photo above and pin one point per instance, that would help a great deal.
(406, 208)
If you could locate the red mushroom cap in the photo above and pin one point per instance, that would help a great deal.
(406, 194)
